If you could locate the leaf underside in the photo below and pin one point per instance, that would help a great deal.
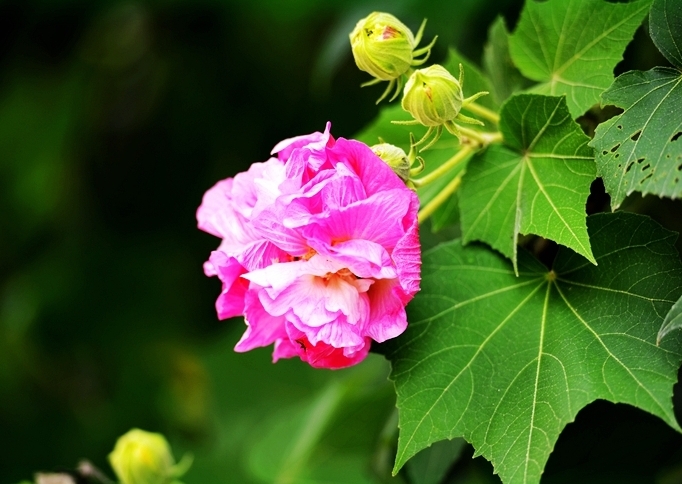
(571, 46)
(537, 183)
(506, 362)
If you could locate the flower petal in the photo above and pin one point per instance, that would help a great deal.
(263, 329)
(230, 302)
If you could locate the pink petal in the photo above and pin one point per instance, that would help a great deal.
(363, 258)
(284, 348)
(321, 355)
(376, 176)
(378, 219)
(407, 257)
(216, 214)
(230, 302)
(263, 329)
(258, 255)
(387, 317)
(316, 140)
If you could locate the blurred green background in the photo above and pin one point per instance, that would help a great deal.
(115, 117)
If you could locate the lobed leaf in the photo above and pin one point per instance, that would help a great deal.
(571, 46)
(538, 183)
(506, 361)
(640, 149)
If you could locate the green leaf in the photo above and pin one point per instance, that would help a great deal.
(537, 183)
(571, 46)
(672, 321)
(506, 362)
(640, 150)
(431, 465)
(665, 28)
(505, 78)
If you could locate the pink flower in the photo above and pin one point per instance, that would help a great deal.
(320, 250)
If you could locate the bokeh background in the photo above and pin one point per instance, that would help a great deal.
(115, 117)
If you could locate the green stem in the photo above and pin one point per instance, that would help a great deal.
(460, 156)
(483, 137)
(439, 199)
(483, 112)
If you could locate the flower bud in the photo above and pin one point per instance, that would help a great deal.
(382, 46)
(432, 96)
(141, 457)
(395, 158)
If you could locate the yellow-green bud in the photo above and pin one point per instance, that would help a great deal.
(141, 457)
(395, 158)
(432, 96)
(382, 46)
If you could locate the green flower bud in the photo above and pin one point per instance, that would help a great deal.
(432, 96)
(141, 457)
(382, 46)
(395, 158)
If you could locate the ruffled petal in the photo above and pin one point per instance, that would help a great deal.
(230, 302)
(376, 176)
(322, 355)
(387, 317)
(262, 329)
(407, 256)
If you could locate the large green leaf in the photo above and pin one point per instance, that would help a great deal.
(506, 361)
(665, 28)
(640, 150)
(537, 183)
(571, 46)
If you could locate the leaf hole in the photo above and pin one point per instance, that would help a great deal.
(646, 167)
(679, 167)
(641, 182)
(676, 136)
(606, 153)
(617, 155)
(613, 150)
(635, 136)
(627, 169)
(620, 126)
(639, 161)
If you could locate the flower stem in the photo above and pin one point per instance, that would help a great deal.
(483, 137)
(483, 112)
(460, 156)
(439, 199)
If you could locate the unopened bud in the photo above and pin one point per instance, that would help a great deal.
(382, 46)
(141, 457)
(432, 96)
(395, 158)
